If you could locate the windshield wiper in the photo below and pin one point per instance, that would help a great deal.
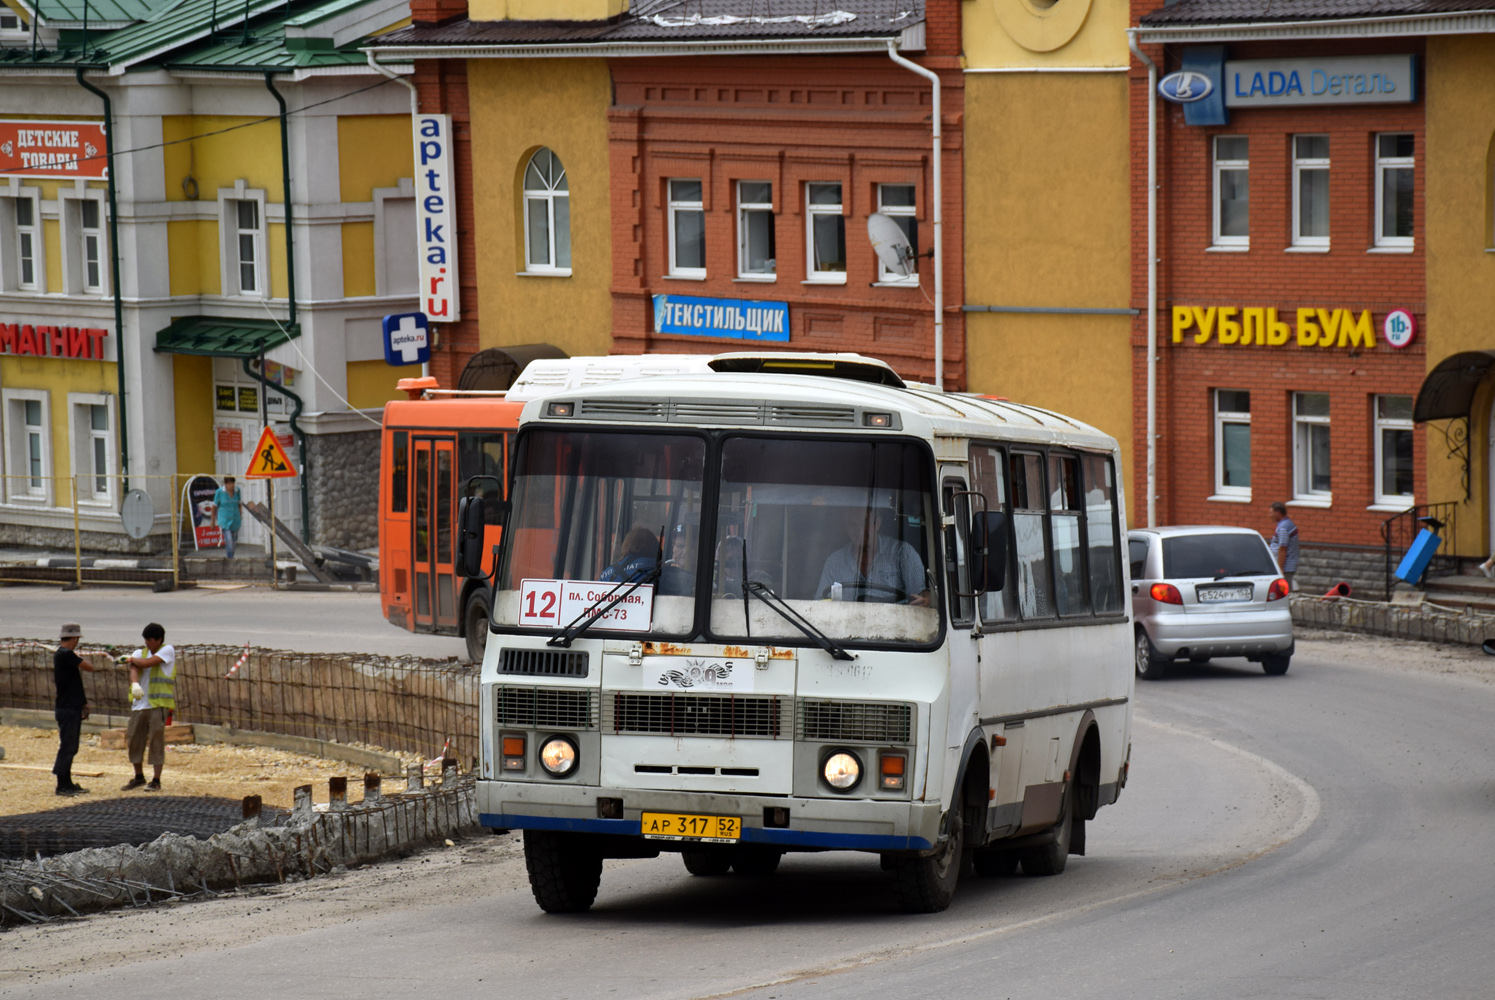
(607, 601)
(794, 618)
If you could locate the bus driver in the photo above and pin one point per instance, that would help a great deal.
(874, 566)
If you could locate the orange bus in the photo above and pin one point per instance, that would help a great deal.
(431, 445)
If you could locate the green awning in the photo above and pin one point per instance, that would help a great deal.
(223, 338)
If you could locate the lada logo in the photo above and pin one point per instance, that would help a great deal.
(1185, 87)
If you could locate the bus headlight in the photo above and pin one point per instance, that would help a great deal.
(558, 756)
(842, 770)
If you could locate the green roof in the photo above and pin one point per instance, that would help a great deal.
(209, 34)
(223, 338)
(57, 12)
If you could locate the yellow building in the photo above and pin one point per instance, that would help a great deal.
(1047, 208)
(178, 282)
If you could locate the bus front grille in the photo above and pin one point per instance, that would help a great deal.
(543, 662)
(674, 714)
(545, 708)
(855, 722)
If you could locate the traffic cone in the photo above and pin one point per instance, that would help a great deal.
(1335, 592)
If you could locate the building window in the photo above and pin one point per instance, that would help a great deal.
(1311, 446)
(827, 233)
(1394, 450)
(93, 446)
(547, 215)
(687, 230)
(896, 201)
(1232, 214)
(755, 248)
(28, 445)
(28, 244)
(1310, 190)
(246, 220)
(1232, 443)
(91, 233)
(1394, 168)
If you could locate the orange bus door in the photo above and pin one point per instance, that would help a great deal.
(435, 591)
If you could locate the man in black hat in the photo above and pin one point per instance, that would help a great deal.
(72, 706)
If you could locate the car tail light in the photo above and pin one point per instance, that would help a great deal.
(1277, 590)
(1166, 593)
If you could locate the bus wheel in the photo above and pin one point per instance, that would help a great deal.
(926, 885)
(476, 626)
(707, 862)
(756, 861)
(996, 864)
(1150, 666)
(1050, 858)
(564, 872)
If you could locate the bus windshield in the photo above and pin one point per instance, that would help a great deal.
(841, 531)
(603, 508)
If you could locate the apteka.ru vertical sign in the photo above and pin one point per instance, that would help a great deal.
(436, 234)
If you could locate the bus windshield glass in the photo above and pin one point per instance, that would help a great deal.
(840, 532)
(593, 510)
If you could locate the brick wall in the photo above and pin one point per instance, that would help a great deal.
(857, 120)
(1347, 277)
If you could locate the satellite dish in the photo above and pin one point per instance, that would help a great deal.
(890, 244)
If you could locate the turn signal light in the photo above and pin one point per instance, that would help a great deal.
(1166, 593)
(1277, 590)
(513, 747)
(892, 767)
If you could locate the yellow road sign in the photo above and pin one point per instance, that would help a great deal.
(269, 461)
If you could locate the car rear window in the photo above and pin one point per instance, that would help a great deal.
(1192, 556)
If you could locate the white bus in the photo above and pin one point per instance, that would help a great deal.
(740, 614)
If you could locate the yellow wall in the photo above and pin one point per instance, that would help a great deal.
(373, 151)
(358, 259)
(192, 378)
(1460, 271)
(545, 10)
(251, 152)
(1067, 33)
(59, 376)
(372, 383)
(192, 248)
(1048, 223)
(518, 106)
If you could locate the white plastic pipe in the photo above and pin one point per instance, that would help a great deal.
(938, 215)
(1152, 276)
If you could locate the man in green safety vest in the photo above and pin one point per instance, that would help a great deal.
(153, 694)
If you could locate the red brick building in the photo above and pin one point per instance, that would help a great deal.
(1290, 258)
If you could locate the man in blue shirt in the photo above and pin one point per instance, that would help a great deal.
(1284, 544)
(226, 500)
(874, 567)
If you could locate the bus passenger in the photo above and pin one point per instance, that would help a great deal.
(678, 579)
(874, 566)
(639, 557)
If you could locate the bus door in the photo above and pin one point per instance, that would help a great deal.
(434, 483)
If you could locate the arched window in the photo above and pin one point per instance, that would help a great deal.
(547, 215)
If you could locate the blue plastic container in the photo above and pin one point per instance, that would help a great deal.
(1415, 562)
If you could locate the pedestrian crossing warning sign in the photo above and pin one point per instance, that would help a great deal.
(269, 461)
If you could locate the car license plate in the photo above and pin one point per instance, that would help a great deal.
(684, 826)
(1218, 595)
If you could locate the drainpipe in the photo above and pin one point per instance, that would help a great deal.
(425, 369)
(270, 387)
(1152, 275)
(285, 183)
(119, 306)
(939, 217)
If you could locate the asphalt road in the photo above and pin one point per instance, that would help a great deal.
(1323, 834)
(306, 621)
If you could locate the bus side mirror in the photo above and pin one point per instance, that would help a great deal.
(471, 516)
(989, 550)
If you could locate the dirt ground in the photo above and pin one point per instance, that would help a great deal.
(216, 770)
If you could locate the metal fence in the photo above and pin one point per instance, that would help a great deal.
(403, 704)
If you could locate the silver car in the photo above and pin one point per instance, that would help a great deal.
(1202, 591)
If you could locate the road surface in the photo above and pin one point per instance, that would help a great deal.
(1323, 834)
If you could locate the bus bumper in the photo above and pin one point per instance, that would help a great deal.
(814, 824)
